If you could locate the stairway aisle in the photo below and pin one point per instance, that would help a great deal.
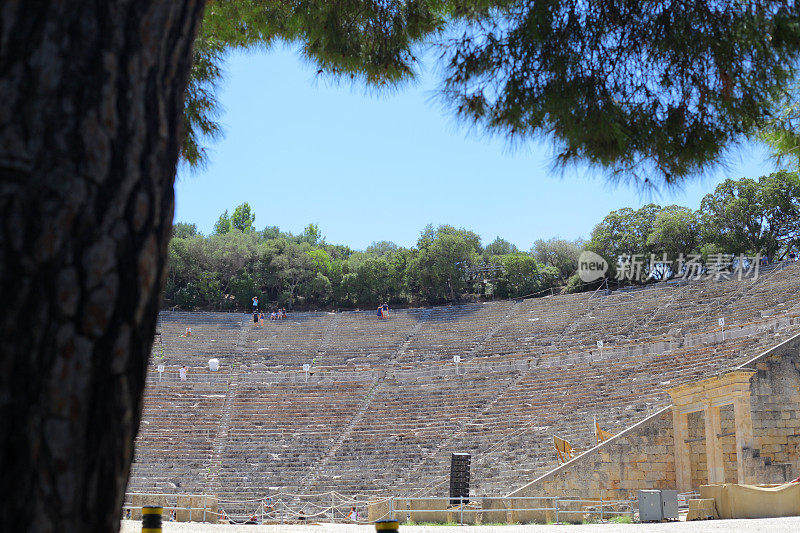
(377, 385)
(221, 438)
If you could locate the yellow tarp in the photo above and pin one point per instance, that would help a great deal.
(701, 510)
(753, 501)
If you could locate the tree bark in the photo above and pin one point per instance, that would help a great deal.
(91, 101)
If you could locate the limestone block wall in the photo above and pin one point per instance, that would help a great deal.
(697, 449)
(189, 507)
(697, 446)
(639, 457)
(196, 508)
(728, 442)
(144, 500)
(642, 457)
(775, 403)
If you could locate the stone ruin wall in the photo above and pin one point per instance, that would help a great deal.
(642, 456)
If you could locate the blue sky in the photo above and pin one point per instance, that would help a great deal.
(369, 167)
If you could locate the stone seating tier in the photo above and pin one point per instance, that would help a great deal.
(383, 407)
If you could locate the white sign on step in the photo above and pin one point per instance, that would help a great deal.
(456, 359)
(600, 344)
(306, 367)
(160, 368)
(721, 321)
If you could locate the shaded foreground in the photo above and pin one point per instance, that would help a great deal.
(770, 525)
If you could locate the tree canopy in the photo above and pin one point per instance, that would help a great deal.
(754, 215)
(651, 91)
(745, 216)
(560, 254)
(645, 89)
(225, 270)
(449, 264)
(368, 41)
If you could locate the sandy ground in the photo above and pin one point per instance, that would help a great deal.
(765, 525)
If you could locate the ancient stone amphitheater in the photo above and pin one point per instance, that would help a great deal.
(383, 405)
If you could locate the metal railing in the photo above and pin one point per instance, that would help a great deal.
(541, 504)
(334, 507)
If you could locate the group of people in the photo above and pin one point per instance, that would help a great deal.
(258, 316)
(383, 311)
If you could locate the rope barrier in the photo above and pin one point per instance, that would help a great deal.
(275, 508)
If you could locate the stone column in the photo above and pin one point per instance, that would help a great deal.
(716, 467)
(683, 468)
(708, 394)
(744, 433)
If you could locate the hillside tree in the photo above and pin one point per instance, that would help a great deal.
(560, 254)
(243, 218)
(749, 216)
(223, 224)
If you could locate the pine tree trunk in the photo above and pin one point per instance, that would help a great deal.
(91, 97)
